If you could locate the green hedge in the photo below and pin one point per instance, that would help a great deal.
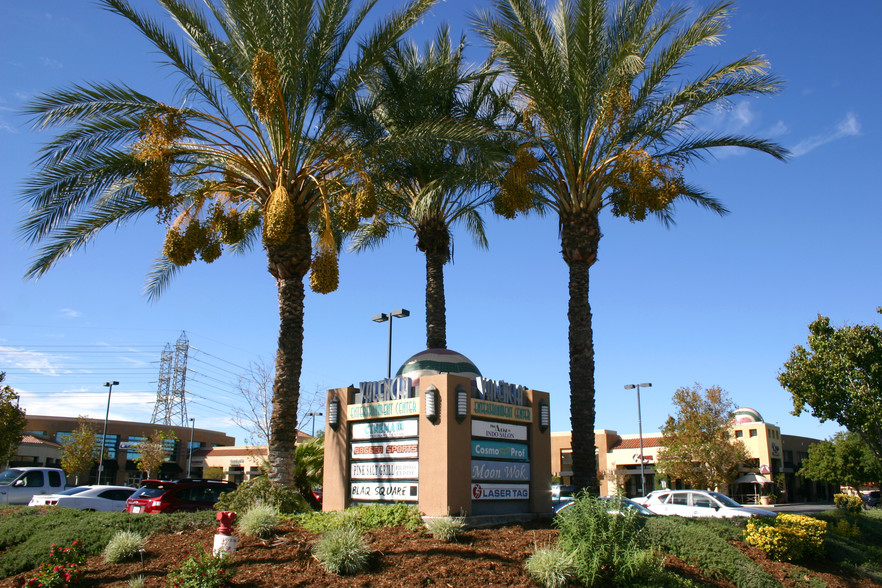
(26, 533)
(698, 543)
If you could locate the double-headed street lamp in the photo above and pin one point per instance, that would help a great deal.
(313, 415)
(110, 386)
(640, 430)
(382, 318)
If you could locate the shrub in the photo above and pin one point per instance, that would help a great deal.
(446, 528)
(122, 546)
(202, 570)
(62, 569)
(260, 521)
(787, 537)
(605, 546)
(697, 544)
(843, 528)
(848, 502)
(552, 567)
(343, 550)
(139, 581)
(363, 517)
(261, 490)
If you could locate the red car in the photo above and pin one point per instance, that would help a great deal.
(186, 495)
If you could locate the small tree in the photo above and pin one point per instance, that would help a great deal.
(78, 450)
(839, 378)
(256, 389)
(844, 460)
(696, 444)
(153, 452)
(12, 422)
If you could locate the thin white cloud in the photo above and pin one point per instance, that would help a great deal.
(70, 313)
(50, 63)
(847, 127)
(742, 115)
(34, 361)
(124, 406)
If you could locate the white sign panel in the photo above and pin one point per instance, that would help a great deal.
(385, 470)
(384, 491)
(500, 491)
(503, 471)
(385, 450)
(391, 429)
(499, 430)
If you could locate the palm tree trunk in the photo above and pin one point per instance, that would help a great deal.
(579, 239)
(436, 311)
(288, 263)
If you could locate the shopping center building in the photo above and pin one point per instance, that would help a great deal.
(43, 435)
(771, 455)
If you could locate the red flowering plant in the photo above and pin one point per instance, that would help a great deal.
(202, 569)
(63, 569)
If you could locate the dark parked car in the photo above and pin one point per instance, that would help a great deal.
(185, 495)
(871, 499)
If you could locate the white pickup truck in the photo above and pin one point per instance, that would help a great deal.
(18, 485)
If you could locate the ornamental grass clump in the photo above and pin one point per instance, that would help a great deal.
(446, 528)
(552, 567)
(122, 546)
(342, 551)
(259, 521)
(788, 537)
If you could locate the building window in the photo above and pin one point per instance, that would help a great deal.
(739, 434)
(753, 432)
(133, 453)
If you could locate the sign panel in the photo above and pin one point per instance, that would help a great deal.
(390, 408)
(499, 430)
(385, 450)
(384, 491)
(385, 470)
(500, 450)
(397, 429)
(500, 470)
(384, 390)
(500, 491)
(504, 412)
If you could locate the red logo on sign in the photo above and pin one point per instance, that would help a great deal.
(476, 491)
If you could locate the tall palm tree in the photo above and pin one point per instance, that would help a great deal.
(255, 141)
(432, 123)
(610, 121)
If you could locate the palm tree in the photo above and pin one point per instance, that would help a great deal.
(610, 123)
(255, 141)
(432, 123)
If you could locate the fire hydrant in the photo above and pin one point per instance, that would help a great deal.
(224, 542)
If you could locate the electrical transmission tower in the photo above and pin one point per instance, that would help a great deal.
(171, 394)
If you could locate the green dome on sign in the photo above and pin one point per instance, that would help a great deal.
(432, 362)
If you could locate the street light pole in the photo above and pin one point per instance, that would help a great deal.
(382, 318)
(313, 415)
(640, 431)
(190, 455)
(109, 386)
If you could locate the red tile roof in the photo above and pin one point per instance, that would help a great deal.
(648, 441)
(31, 440)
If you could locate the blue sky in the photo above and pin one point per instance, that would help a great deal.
(719, 301)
